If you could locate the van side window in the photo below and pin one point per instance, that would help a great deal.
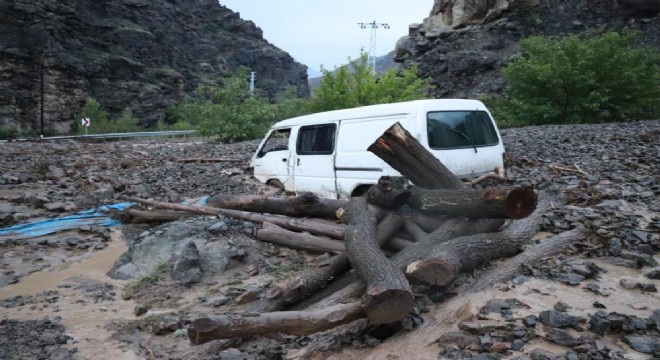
(460, 129)
(278, 140)
(316, 139)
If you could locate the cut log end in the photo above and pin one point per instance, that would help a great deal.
(432, 271)
(388, 306)
(520, 203)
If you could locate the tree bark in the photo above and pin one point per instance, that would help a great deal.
(137, 216)
(299, 241)
(407, 156)
(290, 322)
(492, 203)
(388, 193)
(388, 293)
(440, 263)
(305, 205)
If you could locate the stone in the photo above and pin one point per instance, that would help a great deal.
(530, 320)
(188, 269)
(517, 344)
(599, 323)
(644, 344)
(541, 354)
(561, 337)
(218, 228)
(556, 319)
(455, 338)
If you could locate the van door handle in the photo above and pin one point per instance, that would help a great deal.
(284, 160)
(298, 162)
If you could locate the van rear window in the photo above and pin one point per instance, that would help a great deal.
(460, 129)
(316, 139)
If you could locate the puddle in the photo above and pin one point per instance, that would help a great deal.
(83, 318)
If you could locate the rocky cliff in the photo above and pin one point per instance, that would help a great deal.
(146, 55)
(463, 44)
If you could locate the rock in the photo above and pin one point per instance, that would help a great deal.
(517, 344)
(561, 337)
(140, 310)
(641, 259)
(556, 319)
(218, 228)
(541, 354)
(188, 269)
(530, 320)
(247, 297)
(55, 206)
(561, 306)
(599, 323)
(484, 326)
(653, 274)
(459, 339)
(643, 344)
(594, 288)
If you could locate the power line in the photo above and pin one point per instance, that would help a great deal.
(373, 26)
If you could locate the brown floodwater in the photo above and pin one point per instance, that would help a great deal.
(85, 323)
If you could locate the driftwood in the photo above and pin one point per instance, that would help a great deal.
(305, 205)
(137, 216)
(389, 298)
(290, 322)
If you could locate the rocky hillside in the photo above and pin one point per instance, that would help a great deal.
(463, 43)
(143, 54)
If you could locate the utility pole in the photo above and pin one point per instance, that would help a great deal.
(253, 77)
(373, 26)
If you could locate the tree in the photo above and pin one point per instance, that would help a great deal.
(230, 112)
(581, 78)
(355, 85)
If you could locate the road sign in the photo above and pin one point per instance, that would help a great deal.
(85, 121)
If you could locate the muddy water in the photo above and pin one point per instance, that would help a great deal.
(84, 322)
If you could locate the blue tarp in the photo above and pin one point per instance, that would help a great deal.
(97, 216)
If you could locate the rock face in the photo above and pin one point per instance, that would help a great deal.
(143, 54)
(463, 44)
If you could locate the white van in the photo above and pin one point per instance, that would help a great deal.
(326, 153)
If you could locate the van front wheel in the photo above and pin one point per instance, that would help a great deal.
(276, 184)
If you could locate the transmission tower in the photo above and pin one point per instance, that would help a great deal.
(373, 26)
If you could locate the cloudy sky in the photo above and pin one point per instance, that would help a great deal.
(326, 33)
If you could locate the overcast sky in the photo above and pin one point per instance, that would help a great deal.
(326, 33)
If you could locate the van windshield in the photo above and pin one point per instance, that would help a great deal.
(460, 129)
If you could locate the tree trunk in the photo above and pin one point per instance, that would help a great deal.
(493, 203)
(388, 294)
(299, 241)
(312, 226)
(137, 216)
(407, 156)
(290, 322)
(305, 205)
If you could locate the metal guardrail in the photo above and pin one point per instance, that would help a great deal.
(183, 133)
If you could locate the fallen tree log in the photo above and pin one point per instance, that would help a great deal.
(407, 156)
(298, 287)
(439, 264)
(492, 203)
(388, 295)
(137, 216)
(305, 205)
(289, 322)
(299, 241)
(313, 226)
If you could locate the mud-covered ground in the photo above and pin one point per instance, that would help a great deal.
(121, 293)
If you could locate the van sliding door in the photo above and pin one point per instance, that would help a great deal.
(314, 160)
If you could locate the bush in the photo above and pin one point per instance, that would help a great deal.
(8, 132)
(100, 122)
(579, 79)
(356, 85)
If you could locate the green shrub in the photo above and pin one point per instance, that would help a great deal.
(356, 85)
(100, 122)
(579, 79)
(8, 132)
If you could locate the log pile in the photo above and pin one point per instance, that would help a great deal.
(394, 238)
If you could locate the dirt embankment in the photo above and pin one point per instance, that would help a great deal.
(596, 299)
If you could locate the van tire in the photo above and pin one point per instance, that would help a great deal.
(361, 189)
(276, 184)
